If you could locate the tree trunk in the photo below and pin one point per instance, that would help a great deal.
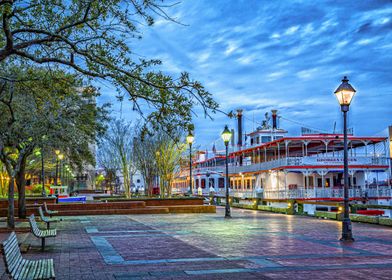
(150, 185)
(11, 208)
(127, 187)
(21, 183)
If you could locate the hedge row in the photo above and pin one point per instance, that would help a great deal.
(326, 214)
(364, 218)
(385, 221)
(264, 208)
(279, 210)
(323, 214)
(366, 206)
(260, 207)
(245, 206)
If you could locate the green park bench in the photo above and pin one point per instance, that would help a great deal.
(41, 233)
(49, 212)
(46, 219)
(20, 268)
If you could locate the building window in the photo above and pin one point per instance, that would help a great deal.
(138, 181)
(203, 183)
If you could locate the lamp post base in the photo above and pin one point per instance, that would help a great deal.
(227, 210)
(347, 234)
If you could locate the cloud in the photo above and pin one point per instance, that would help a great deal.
(231, 47)
(288, 55)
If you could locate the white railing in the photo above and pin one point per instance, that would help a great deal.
(311, 193)
(326, 193)
(308, 161)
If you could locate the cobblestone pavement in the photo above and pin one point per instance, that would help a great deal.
(251, 245)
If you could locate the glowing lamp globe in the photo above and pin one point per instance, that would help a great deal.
(345, 93)
(190, 138)
(226, 135)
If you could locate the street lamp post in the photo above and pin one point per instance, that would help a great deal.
(189, 140)
(61, 157)
(43, 192)
(345, 93)
(57, 152)
(226, 136)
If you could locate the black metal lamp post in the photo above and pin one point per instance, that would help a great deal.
(226, 136)
(57, 152)
(189, 140)
(60, 157)
(43, 192)
(345, 93)
(40, 153)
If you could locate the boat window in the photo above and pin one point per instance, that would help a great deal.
(203, 183)
(265, 139)
(221, 183)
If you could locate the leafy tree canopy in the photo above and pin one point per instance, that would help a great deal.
(90, 37)
(41, 110)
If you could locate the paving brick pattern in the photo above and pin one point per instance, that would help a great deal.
(251, 245)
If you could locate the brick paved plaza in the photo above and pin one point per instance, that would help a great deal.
(252, 245)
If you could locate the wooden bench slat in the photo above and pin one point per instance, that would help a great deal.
(26, 270)
(11, 252)
(19, 268)
(9, 243)
(40, 233)
(14, 260)
(18, 272)
(46, 219)
(38, 271)
(49, 212)
(41, 272)
(45, 269)
(32, 268)
(52, 274)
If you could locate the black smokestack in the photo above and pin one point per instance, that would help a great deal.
(239, 143)
(274, 119)
(239, 118)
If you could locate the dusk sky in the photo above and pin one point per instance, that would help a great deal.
(285, 55)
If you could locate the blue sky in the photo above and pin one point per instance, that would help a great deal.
(286, 55)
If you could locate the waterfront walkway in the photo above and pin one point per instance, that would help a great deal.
(252, 245)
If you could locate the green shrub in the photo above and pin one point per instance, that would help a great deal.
(264, 208)
(372, 206)
(325, 214)
(244, 206)
(37, 190)
(385, 221)
(364, 218)
(279, 210)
